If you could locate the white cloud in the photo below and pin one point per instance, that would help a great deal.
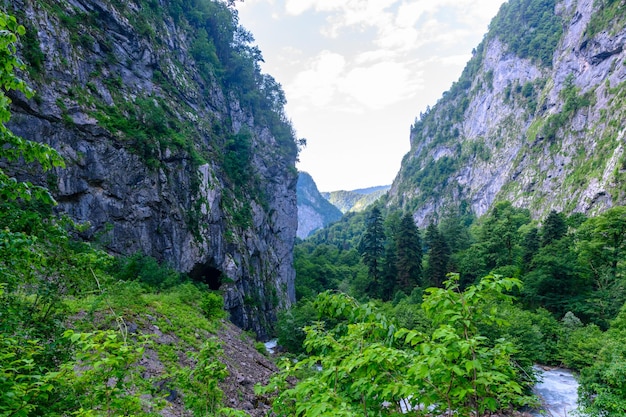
(410, 12)
(318, 84)
(380, 85)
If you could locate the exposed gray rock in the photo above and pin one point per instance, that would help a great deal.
(500, 150)
(314, 211)
(176, 210)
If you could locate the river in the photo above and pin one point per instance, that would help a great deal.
(558, 389)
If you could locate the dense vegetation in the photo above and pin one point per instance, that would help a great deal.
(563, 306)
(74, 321)
(530, 29)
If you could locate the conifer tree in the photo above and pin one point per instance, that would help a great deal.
(554, 228)
(530, 246)
(372, 249)
(438, 256)
(408, 254)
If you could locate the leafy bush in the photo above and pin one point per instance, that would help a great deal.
(212, 305)
(291, 323)
(365, 365)
(146, 269)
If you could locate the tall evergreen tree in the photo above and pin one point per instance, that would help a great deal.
(408, 254)
(372, 249)
(530, 246)
(554, 228)
(438, 256)
(388, 285)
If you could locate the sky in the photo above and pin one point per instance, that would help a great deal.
(357, 74)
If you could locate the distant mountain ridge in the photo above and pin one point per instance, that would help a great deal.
(355, 200)
(318, 209)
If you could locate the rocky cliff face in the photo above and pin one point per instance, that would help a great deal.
(165, 153)
(314, 211)
(539, 125)
(355, 200)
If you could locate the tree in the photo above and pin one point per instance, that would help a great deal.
(554, 228)
(438, 256)
(372, 249)
(602, 384)
(555, 282)
(499, 234)
(601, 245)
(408, 254)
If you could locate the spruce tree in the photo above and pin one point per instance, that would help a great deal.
(372, 249)
(408, 254)
(438, 256)
(554, 228)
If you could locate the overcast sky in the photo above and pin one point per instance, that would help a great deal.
(357, 73)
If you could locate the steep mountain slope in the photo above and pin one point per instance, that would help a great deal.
(314, 211)
(176, 144)
(536, 117)
(355, 200)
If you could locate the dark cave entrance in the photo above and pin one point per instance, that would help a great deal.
(208, 274)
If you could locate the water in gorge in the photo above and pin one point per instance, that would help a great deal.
(558, 389)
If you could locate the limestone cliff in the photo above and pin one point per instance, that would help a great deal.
(314, 211)
(536, 117)
(355, 200)
(175, 142)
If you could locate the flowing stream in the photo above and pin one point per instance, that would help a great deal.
(558, 389)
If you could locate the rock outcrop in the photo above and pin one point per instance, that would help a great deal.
(165, 153)
(314, 211)
(540, 127)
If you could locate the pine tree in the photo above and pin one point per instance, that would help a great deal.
(530, 246)
(554, 228)
(408, 254)
(438, 256)
(372, 249)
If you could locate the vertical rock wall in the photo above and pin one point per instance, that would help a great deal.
(173, 200)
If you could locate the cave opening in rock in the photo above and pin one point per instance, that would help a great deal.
(208, 274)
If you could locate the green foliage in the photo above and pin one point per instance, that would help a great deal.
(344, 234)
(408, 244)
(579, 345)
(22, 384)
(601, 246)
(212, 305)
(608, 16)
(150, 127)
(223, 49)
(438, 256)
(601, 391)
(363, 365)
(530, 28)
(33, 54)
(461, 370)
(201, 382)
(146, 270)
(12, 147)
(237, 159)
(101, 379)
(372, 250)
(573, 102)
